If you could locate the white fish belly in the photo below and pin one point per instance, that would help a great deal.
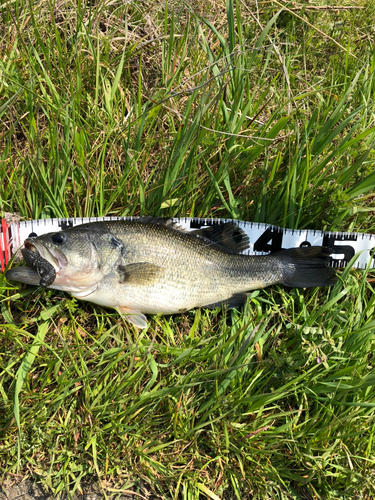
(163, 297)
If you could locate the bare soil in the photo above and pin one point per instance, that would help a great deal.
(29, 490)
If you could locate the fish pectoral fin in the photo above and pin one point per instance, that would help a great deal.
(136, 318)
(139, 273)
(227, 235)
(236, 300)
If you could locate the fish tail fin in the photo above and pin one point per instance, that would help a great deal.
(307, 267)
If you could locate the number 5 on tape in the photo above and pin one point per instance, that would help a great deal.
(264, 238)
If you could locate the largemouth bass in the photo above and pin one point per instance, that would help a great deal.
(147, 266)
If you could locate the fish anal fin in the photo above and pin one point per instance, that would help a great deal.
(139, 273)
(134, 317)
(227, 235)
(236, 300)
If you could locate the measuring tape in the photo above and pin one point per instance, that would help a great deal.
(264, 238)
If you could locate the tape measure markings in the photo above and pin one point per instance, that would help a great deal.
(264, 238)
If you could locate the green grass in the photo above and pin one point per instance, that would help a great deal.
(223, 110)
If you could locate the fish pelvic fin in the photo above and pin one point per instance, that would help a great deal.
(306, 267)
(132, 316)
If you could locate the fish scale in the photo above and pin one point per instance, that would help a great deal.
(147, 266)
(209, 265)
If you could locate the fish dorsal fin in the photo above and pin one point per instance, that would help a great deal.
(160, 221)
(134, 317)
(138, 273)
(227, 235)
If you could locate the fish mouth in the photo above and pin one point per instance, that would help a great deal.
(54, 257)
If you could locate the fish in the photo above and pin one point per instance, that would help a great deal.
(151, 266)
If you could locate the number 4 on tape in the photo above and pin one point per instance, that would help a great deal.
(263, 238)
(270, 241)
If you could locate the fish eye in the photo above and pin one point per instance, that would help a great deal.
(59, 238)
